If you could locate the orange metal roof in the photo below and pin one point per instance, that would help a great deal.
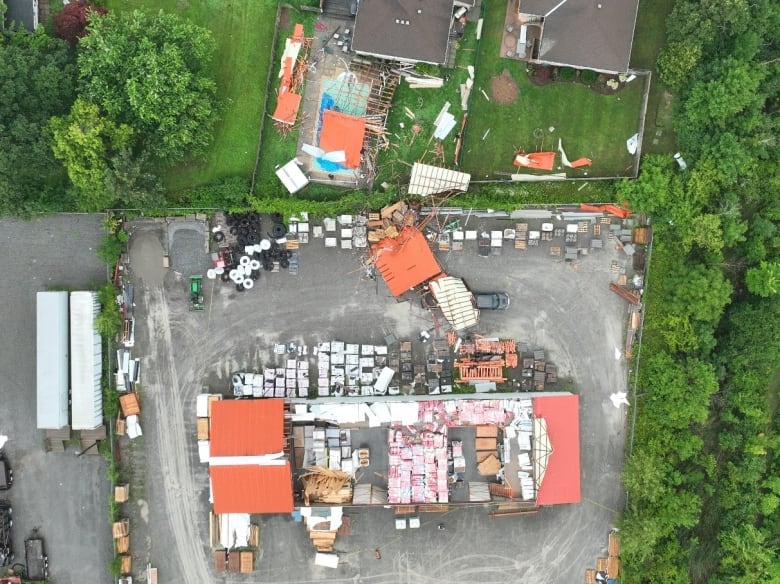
(405, 261)
(252, 489)
(247, 427)
(343, 132)
(561, 482)
(537, 160)
(287, 105)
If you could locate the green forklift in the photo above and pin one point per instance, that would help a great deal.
(196, 293)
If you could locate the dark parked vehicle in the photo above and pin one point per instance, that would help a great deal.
(6, 474)
(492, 300)
(37, 561)
(6, 547)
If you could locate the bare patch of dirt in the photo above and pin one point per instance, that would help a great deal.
(284, 18)
(503, 88)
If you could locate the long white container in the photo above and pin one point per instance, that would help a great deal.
(86, 354)
(52, 360)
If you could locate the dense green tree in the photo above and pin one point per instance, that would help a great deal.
(130, 183)
(764, 280)
(85, 140)
(152, 72)
(37, 81)
(677, 61)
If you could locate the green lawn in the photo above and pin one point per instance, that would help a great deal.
(649, 37)
(243, 30)
(590, 124)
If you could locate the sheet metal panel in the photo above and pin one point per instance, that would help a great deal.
(52, 360)
(85, 362)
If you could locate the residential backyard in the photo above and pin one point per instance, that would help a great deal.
(590, 124)
(243, 31)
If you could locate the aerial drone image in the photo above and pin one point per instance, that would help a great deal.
(389, 292)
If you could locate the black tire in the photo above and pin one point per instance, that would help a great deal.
(278, 230)
(219, 236)
(285, 263)
(268, 266)
(225, 277)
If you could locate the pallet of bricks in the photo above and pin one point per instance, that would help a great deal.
(121, 532)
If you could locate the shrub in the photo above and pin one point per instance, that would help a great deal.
(566, 74)
(588, 77)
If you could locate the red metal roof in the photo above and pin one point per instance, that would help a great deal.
(405, 261)
(247, 427)
(252, 489)
(561, 482)
(343, 132)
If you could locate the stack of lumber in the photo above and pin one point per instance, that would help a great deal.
(122, 544)
(323, 540)
(390, 221)
(126, 564)
(246, 562)
(220, 561)
(627, 295)
(254, 535)
(326, 486)
(122, 493)
(121, 528)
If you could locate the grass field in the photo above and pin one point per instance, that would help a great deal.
(649, 38)
(243, 30)
(590, 124)
(277, 149)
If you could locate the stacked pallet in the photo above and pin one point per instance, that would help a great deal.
(607, 568)
(323, 529)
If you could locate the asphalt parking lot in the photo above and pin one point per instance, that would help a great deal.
(64, 495)
(563, 308)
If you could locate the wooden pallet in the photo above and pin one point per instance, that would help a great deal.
(590, 576)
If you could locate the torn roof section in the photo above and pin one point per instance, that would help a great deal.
(405, 261)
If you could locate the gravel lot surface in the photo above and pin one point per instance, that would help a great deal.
(564, 308)
(64, 495)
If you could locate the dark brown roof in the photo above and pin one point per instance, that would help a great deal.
(580, 34)
(381, 29)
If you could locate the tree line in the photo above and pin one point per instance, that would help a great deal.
(702, 480)
(94, 110)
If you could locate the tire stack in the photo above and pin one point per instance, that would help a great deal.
(252, 253)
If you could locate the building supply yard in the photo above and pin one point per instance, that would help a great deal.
(557, 305)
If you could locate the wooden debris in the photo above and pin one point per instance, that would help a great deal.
(326, 486)
(630, 297)
(129, 404)
(203, 428)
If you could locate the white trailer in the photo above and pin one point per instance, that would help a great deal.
(52, 360)
(86, 362)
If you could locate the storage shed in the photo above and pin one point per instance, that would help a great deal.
(52, 360)
(85, 362)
